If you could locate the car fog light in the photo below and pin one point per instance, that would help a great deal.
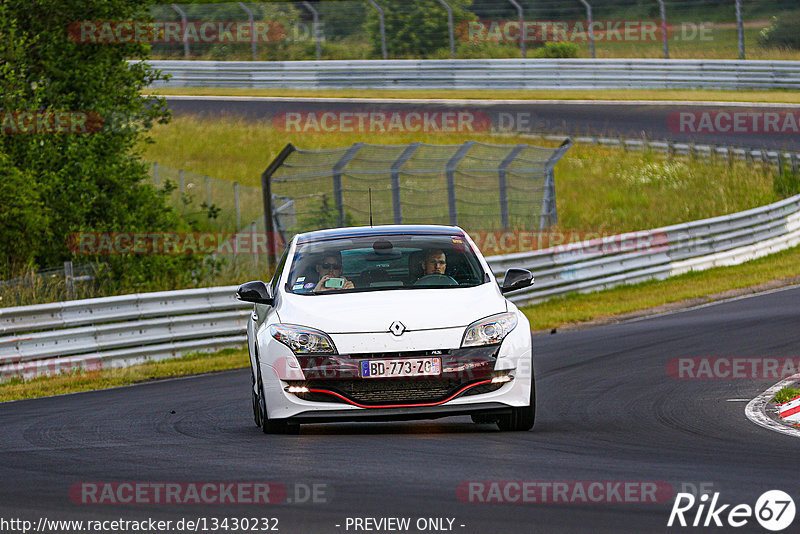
(297, 389)
(501, 379)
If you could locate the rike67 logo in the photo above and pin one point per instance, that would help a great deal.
(774, 510)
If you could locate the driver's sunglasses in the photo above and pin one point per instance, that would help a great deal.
(331, 265)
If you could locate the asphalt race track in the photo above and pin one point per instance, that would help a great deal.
(607, 411)
(653, 120)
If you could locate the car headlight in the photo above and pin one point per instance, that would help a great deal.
(489, 330)
(302, 339)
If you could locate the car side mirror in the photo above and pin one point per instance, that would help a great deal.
(516, 279)
(257, 292)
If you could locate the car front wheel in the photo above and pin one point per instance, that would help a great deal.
(520, 419)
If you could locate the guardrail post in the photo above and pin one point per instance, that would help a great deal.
(252, 29)
(450, 173)
(397, 207)
(589, 26)
(450, 28)
(520, 15)
(337, 179)
(780, 164)
(184, 28)
(69, 280)
(740, 28)
(794, 163)
(664, 34)
(315, 19)
(730, 156)
(378, 8)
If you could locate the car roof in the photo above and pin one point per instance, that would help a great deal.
(364, 231)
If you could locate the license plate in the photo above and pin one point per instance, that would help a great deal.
(401, 368)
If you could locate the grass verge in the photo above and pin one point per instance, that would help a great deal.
(682, 95)
(689, 289)
(17, 389)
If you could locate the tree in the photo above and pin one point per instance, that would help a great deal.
(76, 181)
(416, 28)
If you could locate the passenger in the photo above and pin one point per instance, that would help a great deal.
(331, 267)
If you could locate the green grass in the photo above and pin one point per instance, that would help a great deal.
(681, 95)
(785, 394)
(16, 389)
(578, 308)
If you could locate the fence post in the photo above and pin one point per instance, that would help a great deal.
(397, 207)
(69, 280)
(740, 28)
(664, 34)
(253, 242)
(236, 205)
(337, 179)
(155, 175)
(794, 163)
(450, 28)
(184, 28)
(589, 26)
(266, 197)
(503, 183)
(208, 190)
(252, 28)
(450, 172)
(378, 8)
(182, 188)
(730, 156)
(780, 164)
(521, 33)
(315, 16)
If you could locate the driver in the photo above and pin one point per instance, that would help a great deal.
(330, 266)
(434, 262)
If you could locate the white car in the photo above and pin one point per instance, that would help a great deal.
(388, 323)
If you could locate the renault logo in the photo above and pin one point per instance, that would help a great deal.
(397, 328)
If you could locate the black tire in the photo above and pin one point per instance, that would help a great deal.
(520, 419)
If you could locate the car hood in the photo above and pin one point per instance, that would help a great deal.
(417, 309)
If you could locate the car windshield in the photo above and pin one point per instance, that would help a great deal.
(379, 263)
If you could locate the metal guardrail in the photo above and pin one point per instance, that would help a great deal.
(549, 74)
(129, 329)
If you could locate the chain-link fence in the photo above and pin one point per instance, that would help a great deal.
(362, 29)
(477, 186)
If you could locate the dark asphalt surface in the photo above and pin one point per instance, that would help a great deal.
(631, 120)
(607, 410)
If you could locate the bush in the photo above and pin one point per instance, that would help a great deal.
(556, 51)
(782, 32)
